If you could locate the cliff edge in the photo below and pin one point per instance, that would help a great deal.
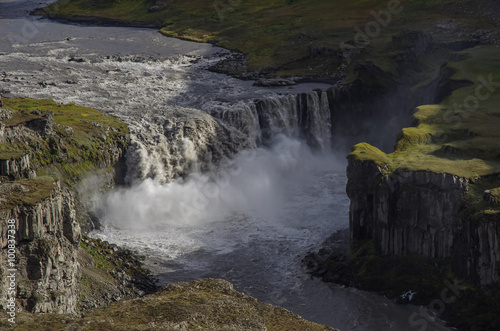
(435, 194)
(45, 149)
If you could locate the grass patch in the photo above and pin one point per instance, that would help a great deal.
(61, 143)
(366, 152)
(459, 136)
(110, 258)
(26, 192)
(99, 255)
(9, 151)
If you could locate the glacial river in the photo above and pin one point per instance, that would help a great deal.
(254, 225)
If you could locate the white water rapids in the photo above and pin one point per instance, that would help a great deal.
(249, 220)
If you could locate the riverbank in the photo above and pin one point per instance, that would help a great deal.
(283, 38)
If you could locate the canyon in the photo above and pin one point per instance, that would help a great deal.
(188, 125)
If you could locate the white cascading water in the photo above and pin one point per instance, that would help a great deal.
(191, 140)
(303, 116)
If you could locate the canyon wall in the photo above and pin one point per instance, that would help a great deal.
(47, 238)
(41, 160)
(418, 212)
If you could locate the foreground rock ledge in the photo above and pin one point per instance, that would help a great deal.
(209, 304)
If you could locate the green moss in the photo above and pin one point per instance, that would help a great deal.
(367, 152)
(480, 206)
(470, 137)
(459, 136)
(495, 195)
(109, 258)
(100, 257)
(80, 143)
(450, 139)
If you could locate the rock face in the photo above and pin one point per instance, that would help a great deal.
(47, 238)
(15, 167)
(418, 212)
(476, 256)
(49, 277)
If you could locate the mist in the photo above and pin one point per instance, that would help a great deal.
(255, 182)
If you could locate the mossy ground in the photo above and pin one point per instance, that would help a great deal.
(459, 136)
(79, 143)
(109, 257)
(82, 135)
(104, 267)
(280, 34)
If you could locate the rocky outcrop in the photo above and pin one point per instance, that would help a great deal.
(47, 238)
(15, 167)
(377, 98)
(36, 136)
(109, 274)
(418, 212)
(405, 212)
(32, 139)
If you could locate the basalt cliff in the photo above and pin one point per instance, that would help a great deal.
(46, 149)
(419, 212)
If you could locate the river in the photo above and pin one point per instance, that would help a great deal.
(251, 219)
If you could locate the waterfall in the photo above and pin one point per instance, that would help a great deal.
(303, 116)
(187, 139)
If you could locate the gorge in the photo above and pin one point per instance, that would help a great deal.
(227, 179)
